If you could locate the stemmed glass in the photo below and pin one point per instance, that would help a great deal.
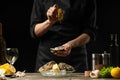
(11, 55)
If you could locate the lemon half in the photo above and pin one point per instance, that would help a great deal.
(9, 69)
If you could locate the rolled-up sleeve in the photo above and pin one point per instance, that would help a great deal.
(89, 21)
(36, 16)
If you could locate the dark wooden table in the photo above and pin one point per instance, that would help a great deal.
(73, 76)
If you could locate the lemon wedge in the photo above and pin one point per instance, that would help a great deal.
(55, 67)
(60, 14)
(9, 69)
(2, 71)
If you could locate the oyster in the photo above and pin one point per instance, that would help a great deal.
(47, 66)
(67, 67)
(59, 48)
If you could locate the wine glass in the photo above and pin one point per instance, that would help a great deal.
(11, 55)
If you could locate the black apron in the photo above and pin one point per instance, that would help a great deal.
(75, 21)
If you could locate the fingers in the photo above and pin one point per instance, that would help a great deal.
(62, 53)
(52, 13)
(63, 50)
(55, 6)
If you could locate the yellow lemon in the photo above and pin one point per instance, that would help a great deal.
(2, 71)
(5, 66)
(60, 14)
(55, 67)
(115, 72)
(9, 69)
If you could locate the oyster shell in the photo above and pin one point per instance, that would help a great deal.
(47, 66)
(59, 48)
(64, 66)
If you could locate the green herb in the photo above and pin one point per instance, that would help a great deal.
(105, 72)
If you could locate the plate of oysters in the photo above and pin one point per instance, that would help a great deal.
(56, 69)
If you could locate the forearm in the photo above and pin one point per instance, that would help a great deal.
(80, 40)
(42, 28)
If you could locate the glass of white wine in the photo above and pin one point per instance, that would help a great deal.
(11, 55)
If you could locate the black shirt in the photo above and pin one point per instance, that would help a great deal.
(79, 17)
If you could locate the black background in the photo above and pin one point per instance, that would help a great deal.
(15, 17)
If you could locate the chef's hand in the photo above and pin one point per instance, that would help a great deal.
(65, 52)
(52, 13)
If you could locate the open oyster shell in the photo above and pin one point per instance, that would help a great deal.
(67, 67)
(59, 48)
(47, 66)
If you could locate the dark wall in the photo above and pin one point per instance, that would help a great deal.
(108, 19)
(15, 16)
